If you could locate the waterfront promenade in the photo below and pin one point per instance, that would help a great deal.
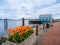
(52, 35)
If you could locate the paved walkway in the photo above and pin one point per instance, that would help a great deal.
(52, 36)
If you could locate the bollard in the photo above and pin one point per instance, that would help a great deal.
(22, 21)
(43, 25)
(36, 29)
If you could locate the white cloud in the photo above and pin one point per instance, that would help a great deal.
(22, 8)
(44, 2)
(13, 4)
(57, 17)
(54, 10)
(3, 14)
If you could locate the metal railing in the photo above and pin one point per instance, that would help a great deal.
(11, 23)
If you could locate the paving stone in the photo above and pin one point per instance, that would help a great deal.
(52, 36)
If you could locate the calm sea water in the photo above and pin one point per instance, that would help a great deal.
(11, 24)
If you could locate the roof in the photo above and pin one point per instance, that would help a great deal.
(45, 16)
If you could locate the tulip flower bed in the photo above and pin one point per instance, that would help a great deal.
(19, 33)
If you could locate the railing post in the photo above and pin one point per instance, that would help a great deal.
(5, 24)
(22, 21)
(36, 29)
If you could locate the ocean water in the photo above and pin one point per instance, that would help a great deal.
(11, 24)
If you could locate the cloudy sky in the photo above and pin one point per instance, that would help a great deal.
(29, 8)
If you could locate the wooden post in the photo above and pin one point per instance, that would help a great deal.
(22, 21)
(43, 25)
(5, 24)
(36, 29)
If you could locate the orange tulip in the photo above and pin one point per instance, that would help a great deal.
(21, 29)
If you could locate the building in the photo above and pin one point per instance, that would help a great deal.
(45, 17)
(42, 18)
